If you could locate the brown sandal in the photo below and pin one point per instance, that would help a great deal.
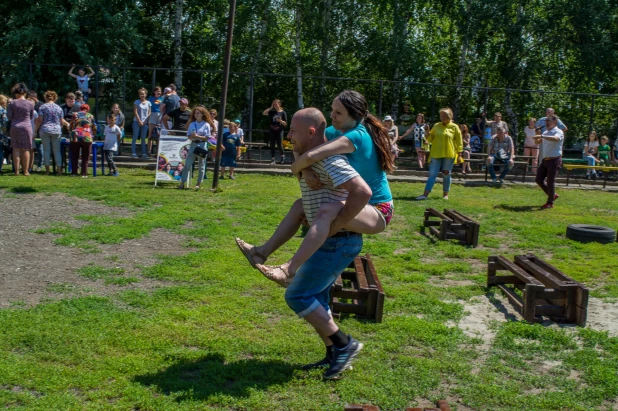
(269, 272)
(249, 252)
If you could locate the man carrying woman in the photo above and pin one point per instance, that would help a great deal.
(364, 141)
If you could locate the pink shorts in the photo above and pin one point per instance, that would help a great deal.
(385, 210)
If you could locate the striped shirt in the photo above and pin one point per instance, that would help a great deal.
(332, 172)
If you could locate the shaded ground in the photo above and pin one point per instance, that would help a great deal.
(34, 268)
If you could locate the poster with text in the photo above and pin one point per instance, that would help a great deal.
(172, 154)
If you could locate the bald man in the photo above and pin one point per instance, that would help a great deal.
(308, 294)
(542, 122)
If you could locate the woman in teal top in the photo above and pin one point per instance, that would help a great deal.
(364, 140)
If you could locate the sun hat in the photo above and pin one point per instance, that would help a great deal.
(167, 90)
(184, 101)
(237, 121)
(387, 118)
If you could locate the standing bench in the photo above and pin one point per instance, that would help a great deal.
(358, 291)
(536, 289)
(452, 225)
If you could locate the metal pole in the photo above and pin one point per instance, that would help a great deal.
(380, 103)
(202, 88)
(251, 89)
(486, 101)
(591, 115)
(124, 90)
(154, 79)
(96, 94)
(226, 76)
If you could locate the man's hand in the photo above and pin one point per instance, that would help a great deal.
(311, 178)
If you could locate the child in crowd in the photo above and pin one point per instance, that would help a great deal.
(141, 113)
(231, 150)
(591, 148)
(115, 110)
(199, 131)
(465, 135)
(154, 121)
(79, 98)
(110, 145)
(604, 152)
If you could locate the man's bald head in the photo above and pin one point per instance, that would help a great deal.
(549, 111)
(307, 129)
(311, 117)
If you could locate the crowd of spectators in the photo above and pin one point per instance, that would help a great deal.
(29, 126)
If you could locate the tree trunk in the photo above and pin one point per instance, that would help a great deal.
(178, 44)
(299, 70)
(462, 60)
(328, 5)
(256, 59)
(400, 34)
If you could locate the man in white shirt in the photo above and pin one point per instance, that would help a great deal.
(551, 159)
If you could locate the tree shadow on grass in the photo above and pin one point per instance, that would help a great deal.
(211, 375)
(23, 190)
(517, 209)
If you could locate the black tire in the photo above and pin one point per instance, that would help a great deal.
(586, 233)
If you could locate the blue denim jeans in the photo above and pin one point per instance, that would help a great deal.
(591, 162)
(437, 165)
(201, 165)
(311, 285)
(507, 167)
(140, 132)
(38, 161)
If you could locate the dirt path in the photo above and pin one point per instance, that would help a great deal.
(33, 268)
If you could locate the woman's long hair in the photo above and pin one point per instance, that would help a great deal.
(356, 105)
(205, 115)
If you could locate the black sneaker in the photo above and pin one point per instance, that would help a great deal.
(342, 358)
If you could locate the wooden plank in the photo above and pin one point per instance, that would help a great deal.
(524, 276)
(349, 308)
(352, 294)
(372, 279)
(434, 231)
(339, 284)
(541, 274)
(504, 279)
(550, 268)
(551, 294)
(443, 405)
(436, 213)
(550, 310)
(361, 277)
(513, 298)
(530, 295)
(359, 407)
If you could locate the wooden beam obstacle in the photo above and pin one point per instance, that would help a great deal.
(537, 288)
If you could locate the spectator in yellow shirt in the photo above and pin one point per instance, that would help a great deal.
(446, 144)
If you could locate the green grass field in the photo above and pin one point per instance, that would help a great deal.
(222, 338)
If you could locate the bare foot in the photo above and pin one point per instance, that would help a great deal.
(277, 274)
(251, 253)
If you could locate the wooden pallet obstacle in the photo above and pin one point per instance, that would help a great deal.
(360, 284)
(452, 225)
(441, 406)
(546, 291)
